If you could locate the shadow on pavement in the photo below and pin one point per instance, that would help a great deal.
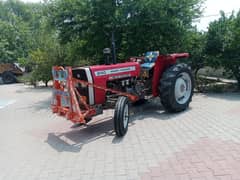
(74, 140)
(153, 109)
(43, 105)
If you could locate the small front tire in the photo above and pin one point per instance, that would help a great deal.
(121, 116)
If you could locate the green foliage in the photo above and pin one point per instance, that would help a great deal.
(222, 47)
(12, 42)
(195, 44)
(48, 54)
(15, 37)
(139, 26)
(74, 33)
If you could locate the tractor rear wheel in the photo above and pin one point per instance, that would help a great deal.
(176, 88)
(8, 77)
(121, 116)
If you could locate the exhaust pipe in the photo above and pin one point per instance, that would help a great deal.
(114, 49)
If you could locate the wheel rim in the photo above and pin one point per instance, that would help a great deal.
(125, 116)
(183, 88)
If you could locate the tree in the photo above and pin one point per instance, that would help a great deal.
(222, 47)
(46, 53)
(74, 32)
(139, 26)
(195, 44)
(15, 29)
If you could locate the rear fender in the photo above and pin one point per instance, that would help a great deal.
(162, 63)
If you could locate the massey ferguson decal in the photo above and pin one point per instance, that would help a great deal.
(115, 71)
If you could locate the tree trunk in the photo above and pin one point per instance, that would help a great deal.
(46, 83)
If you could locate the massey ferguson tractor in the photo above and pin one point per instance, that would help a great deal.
(83, 92)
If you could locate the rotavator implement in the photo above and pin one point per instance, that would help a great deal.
(83, 92)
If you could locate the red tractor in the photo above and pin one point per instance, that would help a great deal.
(83, 92)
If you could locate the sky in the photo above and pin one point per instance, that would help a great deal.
(211, 10)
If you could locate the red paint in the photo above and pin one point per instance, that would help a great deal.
(102, 80)
(63, 82)
(162, 63)
(78, 109)
(132, 98)
(72, 111)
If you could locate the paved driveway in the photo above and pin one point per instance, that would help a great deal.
(201, 143)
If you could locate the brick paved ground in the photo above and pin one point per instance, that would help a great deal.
(201, 143)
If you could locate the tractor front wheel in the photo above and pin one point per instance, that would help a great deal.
(121, 116)
(176, 88)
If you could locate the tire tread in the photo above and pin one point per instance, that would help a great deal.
(167, 83)
(118, 116)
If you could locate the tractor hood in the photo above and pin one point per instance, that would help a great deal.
(116, 71)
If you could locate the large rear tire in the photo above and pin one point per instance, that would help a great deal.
(176, 88)
(121, 116)
(8, 77)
